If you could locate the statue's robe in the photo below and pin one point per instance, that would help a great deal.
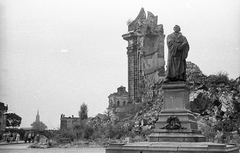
(178, 48)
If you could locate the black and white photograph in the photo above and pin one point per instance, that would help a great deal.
(118, 76)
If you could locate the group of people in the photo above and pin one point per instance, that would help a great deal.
(10, 137)
(15, 137)
(31, 137)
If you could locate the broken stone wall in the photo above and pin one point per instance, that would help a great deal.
(145, 55)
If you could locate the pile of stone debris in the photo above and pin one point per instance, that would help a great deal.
(214, 99)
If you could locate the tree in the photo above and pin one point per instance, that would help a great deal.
(88, 131)
(39, 126)
(13, 120)
(83, 113)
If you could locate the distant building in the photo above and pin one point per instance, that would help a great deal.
(68, 122)
(3, 109)
(37, 117)
(37, 124)
(119, 98)
(101, 117)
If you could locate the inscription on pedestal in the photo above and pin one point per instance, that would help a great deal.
(176, 99)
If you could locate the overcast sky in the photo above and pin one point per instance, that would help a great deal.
(57, 54)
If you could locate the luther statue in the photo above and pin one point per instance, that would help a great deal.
(178, 48)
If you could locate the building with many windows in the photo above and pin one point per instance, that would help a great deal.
(68, 122)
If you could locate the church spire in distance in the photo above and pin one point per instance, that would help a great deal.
(38, 117)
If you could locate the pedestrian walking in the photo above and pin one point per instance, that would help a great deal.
(29, 137)
(17, 137)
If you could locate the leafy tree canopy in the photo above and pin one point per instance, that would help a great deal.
(13, 120)
(38, 126)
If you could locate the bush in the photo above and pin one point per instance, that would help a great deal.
(88, 132)
(220, 77)
(65, 133)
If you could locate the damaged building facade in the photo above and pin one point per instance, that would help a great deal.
(145, 52)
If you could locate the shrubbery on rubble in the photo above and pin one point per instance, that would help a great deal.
(215, 100)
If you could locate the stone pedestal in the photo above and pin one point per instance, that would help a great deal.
(186, 139)
(176, 103)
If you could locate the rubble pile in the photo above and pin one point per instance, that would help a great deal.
(214, 99)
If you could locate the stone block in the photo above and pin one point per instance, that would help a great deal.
(176, 96)
(186, 118)
(114, 148)
(176, 136)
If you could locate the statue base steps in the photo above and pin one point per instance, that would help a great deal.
(171, 147)
(182, 135)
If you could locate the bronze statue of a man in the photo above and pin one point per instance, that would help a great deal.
(178, 48)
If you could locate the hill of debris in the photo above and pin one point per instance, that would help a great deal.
(214, 99)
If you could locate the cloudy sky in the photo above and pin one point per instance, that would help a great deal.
(57, 54)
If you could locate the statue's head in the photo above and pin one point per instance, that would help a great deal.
(176, 28)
